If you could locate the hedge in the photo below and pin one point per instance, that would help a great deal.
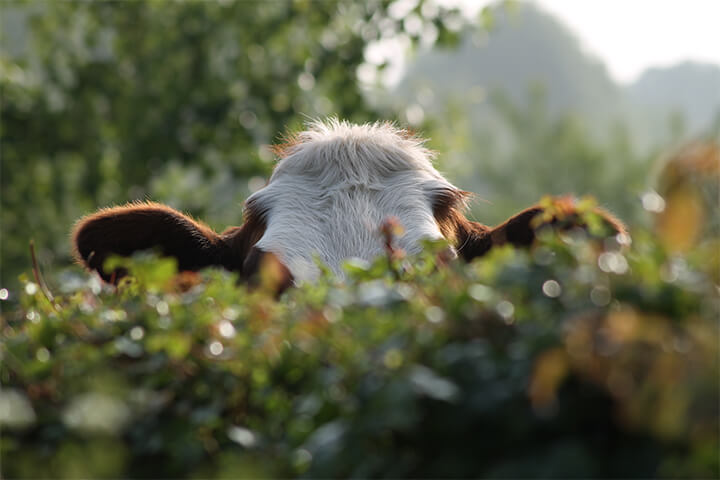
(573, 359)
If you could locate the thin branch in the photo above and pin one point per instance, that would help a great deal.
(38, 276)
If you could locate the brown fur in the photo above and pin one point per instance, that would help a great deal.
(145, 225)
(473, 239)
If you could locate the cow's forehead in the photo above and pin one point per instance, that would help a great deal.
(342, 151)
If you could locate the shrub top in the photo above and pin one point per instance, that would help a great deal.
(567, 360)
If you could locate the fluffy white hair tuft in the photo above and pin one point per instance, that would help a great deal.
(334, 186)
(355, 153)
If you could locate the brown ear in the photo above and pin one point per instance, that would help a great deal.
(241, 240)
(474, 239)
(517, 230)
(140, 226)
(257, 267)
(471, 239)
(560, 214)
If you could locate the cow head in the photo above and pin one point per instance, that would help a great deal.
(332, 188)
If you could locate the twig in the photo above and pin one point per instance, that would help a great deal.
(38, 276)
(389, 229)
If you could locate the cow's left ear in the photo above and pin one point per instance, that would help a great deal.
(475, 239)
(562, 214)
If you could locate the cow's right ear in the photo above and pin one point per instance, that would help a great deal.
(257, 267)
(140, 226)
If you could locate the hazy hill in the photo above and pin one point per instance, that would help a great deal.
(690, 88)
(527, 47)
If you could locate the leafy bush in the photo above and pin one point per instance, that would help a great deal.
(567, 360)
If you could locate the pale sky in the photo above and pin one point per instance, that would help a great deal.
(632, 35)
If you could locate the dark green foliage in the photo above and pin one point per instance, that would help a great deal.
(551, 363)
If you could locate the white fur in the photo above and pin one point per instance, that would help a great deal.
(329, 196)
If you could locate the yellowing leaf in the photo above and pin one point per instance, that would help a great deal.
(681, 223)
(550, 370)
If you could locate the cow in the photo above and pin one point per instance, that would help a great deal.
(334, 185)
